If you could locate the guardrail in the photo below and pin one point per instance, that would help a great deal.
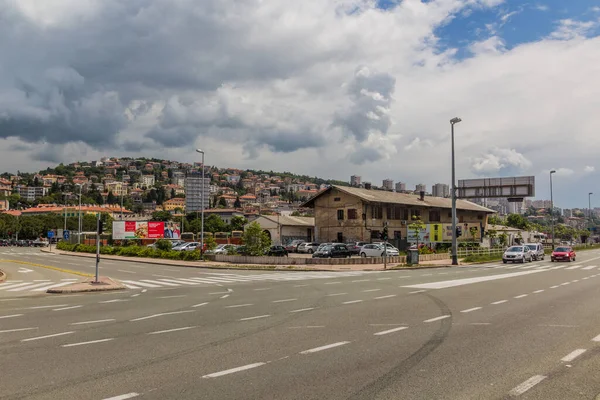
(478, 251)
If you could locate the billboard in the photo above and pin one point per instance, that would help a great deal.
(517, 187)
(145, 230)
(440, 233)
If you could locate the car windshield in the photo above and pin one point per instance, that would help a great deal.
(326, 248)
(515, 249)
(531, 247)
(562, 249)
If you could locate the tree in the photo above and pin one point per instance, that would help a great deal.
(473, 231)
(213, 223)
(237, 223)
(495, 220)
(256, 240)
(492, 234)
(517, 221)
(161, 216)
(222, 202)
(111, 199)
(173, 194)
(211, 243)
(237, 203)
(417, 226)
(503, 239)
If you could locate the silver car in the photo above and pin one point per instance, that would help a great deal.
(517, 254)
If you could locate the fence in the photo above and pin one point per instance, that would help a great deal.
(478, 251)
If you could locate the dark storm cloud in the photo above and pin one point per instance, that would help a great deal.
(364, 155)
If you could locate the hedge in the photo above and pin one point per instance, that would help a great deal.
(132, 251)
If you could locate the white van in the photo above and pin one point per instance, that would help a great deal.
(537, 250)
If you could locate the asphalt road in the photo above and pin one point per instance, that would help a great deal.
(488, 332)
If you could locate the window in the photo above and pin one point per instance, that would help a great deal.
(352, 214)
(480, 216)
(450, 214)
(340, 215)
(376, 212)
(434, 216)
(397, 213)
(374, 234)
(415, 214)
(337, 199)
(397, 235)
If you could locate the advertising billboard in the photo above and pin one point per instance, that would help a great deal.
(440, 233)
(145, 230)
(517, 187)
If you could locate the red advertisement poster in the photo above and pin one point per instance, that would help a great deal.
(156, 230)
(130, 226)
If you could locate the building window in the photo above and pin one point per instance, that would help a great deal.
(480, 216)
(337, 199)
(434, 216)
(414, 214)
(374, 234)
(340, 215)
(450, 214)
(352, 214)
(397, 235)
(376, 212)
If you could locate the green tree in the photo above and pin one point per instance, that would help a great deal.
(417, 226)
(163, 244)
(256, 240)
(473, 231)
(161, 216)
(237, 223)
(492, 234)
(211, 243)
(237, 203)
(213, 223)
(495, 220)
(503, 239)
(517, 221)
(222, 202)
(111, 199)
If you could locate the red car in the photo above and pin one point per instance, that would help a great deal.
(563, 254)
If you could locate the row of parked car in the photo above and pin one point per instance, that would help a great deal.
(363, 249)
(529, 252)
(23, 243)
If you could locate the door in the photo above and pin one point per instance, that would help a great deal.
(340, 237)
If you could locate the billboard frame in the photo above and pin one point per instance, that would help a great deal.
(512, 188)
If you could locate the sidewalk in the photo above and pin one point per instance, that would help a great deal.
(222, 265)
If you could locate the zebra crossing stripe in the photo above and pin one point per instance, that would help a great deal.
(30, 286)
(178, 281)
(574, 267)
(7, 286)
(44, 288)
(589, 267)
(137, 284)
(158, 282)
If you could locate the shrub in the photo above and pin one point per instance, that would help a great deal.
(145, 252)
(65, 246)
(163, 244)
(129, 251)
(85, 248)
(426, 250)
(192, 255)
(478, 258)
(107, 250)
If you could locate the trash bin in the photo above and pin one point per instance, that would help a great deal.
(412, 256)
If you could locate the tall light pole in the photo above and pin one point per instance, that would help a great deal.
(454, 121)
(590, 210)
(552, 207)
(202, 204)
(65, 210)
(79, 223)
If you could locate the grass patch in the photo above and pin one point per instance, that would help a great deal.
(482, 258)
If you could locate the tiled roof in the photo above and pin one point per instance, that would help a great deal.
(291, 221)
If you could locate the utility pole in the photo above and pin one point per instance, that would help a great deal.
(385, 237)
(552, 207)
(453, 121)
(98, 231)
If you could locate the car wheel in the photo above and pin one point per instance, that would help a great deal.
(363, 255)
(573, 258)
(310, 251)
(523, 260)
(504, 261)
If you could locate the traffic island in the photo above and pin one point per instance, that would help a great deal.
(2, 276)
(104, 284)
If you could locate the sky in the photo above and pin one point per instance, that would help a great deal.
(326, 88)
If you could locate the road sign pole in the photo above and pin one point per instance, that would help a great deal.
(97, 245)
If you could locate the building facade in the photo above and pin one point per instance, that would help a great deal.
(147, 180)
(194, 189)
(400, 187)
(420, 188)
(283, 230)
(355, 180)
(440, 190)
(352, 214)
(32, 193)
(388, 184)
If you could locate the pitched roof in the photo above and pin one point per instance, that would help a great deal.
(381, 196)
(291, 221)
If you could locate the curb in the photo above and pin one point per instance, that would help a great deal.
(2, 276)
(66, 271)
(110, 285)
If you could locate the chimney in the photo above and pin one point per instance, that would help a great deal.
(367, 186)
(422, 195)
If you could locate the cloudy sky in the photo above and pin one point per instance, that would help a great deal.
(327, 88)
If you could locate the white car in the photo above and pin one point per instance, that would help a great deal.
(189, 246)
(377, 250)
(517, 254)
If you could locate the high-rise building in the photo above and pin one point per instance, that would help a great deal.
(420, 188)
(355, 180)
(440, 190)
(388, 184)
(193, 192)
(400, 187)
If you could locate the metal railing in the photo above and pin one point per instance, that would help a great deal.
(478, 251)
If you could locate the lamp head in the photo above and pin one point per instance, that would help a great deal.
(552, 172)
(200, 151)
(455, 120)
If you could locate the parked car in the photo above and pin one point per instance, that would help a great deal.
(537, 250)
(336, 250)
(293, 247)
(355, 247)
(4, 243)
(378, 250)
(241, 250)
(563, 253)
(517, 254)
(188, 246)
(309, 247)
(277, 251)
(221, 249)
(39, 243)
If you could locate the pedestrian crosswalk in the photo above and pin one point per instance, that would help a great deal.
(40, 285)
(6, 254)
(534, 266)
(222, 278)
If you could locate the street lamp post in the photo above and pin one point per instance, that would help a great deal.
(590, 211)
(202, 204)
(65, 211)
(552, 207)
(454, 121)
(79, 223)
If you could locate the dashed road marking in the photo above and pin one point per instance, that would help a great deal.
(234, 370)
(391, 331)
(326, 347)
(528, 384)
(257, 317)
(499, 302)
(437, 318)
(86, 343)
(573, 355)
(471, 310)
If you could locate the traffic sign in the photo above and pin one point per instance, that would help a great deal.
(50, 234)
(66, 235)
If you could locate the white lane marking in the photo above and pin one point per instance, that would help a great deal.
(499, 302)
(260, 289)
(123, 396)
(468, 281)
(585, 278)
(127, 272)
(10, 316)
(47, 336)
(90, 342)
(417, 291)
(525, 386)
(565, 283)
(171, 330)
(391, 331)
(161, 315)
(383, 279)
(181, 281)
(28, 287)
(55, 285)
(437, 318)
(305, 327)
(240, 305)
(554, 287)
(427, 275)
(93, 322)
(332, 283)
(574, 267)
(589, 267)
(66, 308)
(199, 305)
(326, 347)
(234, 370)
(113, 301)
(18, 330)
(300, 285)
(172, 297)
(538, 291)
(219, 293)
(302, 309)
(403, 276)
(55, 305)
(573, 355)
(480, 323)
(157, 282)
(224, 296)
(471, 310)
(336, 294)
(520, 296)
(47, 280)
(575, 281)
(283, 301)
(596, 339)
(371, 290)
(352, 302)
(12, 285)
(385, 297)
(362, 280)
(257, 317)
(161, 276)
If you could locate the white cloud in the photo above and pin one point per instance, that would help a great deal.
(561, 171)
(505, 17)
(493, 44)
(418, 144)
(541, 7)
(595, 9)
(589, 169)
(498, 159)
(569, 29)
